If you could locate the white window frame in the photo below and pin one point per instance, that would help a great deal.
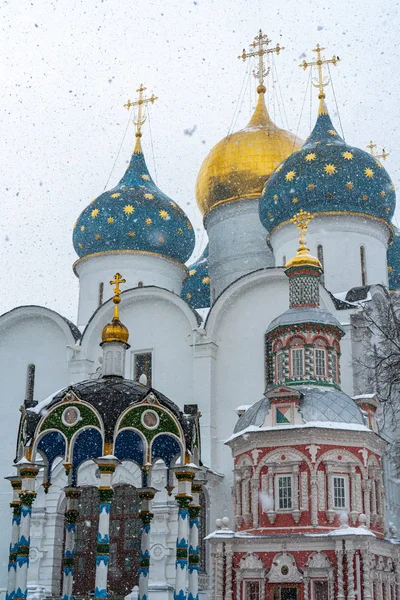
(346, 491)
(251, 580)
(293, 350)
(316, 361)
(278, 476)
(133, 361)
(318, 580)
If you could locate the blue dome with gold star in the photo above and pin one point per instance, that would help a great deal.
(196, 287)
(327, 176)
(134, 216)
(393, 260)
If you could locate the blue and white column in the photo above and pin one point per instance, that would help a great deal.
(146, 494)
(72, 495)
(107, 465)
(194, 555)
(27, 471)
(15, 505)
(185, 476)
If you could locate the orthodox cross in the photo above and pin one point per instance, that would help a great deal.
(117, 292)
(302, 220)
(260, 45)
(384, 154)
(140, 103)
(322, 81)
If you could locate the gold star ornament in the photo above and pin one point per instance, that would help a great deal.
(330, 169)
(311, 156)
(369, 173)
(290, 175)
(128, 209)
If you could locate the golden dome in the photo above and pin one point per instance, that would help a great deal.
(303, 258)
(115, 331)
(240, 164)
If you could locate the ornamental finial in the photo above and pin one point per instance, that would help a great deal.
(371, 146)
(321, 81)
(140, 102)
(260, 45)
(303, 257)
(117, 292)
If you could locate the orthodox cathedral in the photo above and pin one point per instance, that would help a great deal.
(205, 430)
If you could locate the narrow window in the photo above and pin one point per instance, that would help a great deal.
(363, 266)
(269, 362)
(320, 255)
(284, 492)
(252, 590)
(284, 260)
(279, 366)
(320, 368)
(101, 291)
(285, 593)
(140, 283)
(143, 366)
(297, 362)
(339, 492)
(320, 590)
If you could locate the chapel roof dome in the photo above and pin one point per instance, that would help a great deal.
(134, 216)
(316, 405)
(307, 314)
(240, 164)
(327, 176)
(196, 287)
(393, 261)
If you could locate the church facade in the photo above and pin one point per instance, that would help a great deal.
(227, 391)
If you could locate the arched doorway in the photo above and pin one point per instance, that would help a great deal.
(124, 541)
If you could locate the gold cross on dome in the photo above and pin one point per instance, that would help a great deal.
(260, 45)
(116, 281)
(140, 119)
(302, 220)
(371, 146)
(322, 81)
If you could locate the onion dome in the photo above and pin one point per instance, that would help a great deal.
(196, 288)
(240, 164)
(134, 216)
(393, 261)
(327, 176)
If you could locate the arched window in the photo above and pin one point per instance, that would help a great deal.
(320, 358)
(320, 255)
(363, 266)
(283, 260)
(297, 357)
(101, 291)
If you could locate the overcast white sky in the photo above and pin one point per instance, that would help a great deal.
(68, 66)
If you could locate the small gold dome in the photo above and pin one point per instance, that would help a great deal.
(115, 332)
(303, 258)
(240, 164)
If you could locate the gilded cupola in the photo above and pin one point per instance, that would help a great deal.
(240, 164)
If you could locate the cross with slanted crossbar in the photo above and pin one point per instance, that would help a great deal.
(322, 81)
(260, 45)
(140, 103)
(384, 154)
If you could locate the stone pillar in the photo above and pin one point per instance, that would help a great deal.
(72, 495)
(397, 572)
(246, 505)
(296, 513)
(255, 492)
(367, 500)
(185, 476)
(194, 556)
(340, 588)
(219, 572)
(107, 467)
(373, 498)
(353, 495)
(350, 574)
(27, 471)
(366, 575)
(15, 505)
(238, 585)
(330, 513)
(306, 595)
(229, 571)
(146, 494)
(314, 500)
(271, 512)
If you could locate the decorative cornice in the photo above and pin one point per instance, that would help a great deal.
(136, 252)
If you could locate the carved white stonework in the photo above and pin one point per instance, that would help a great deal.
(358, 494)
(251, 562)
(284, 569)
(318, 560)
(304, 490)
(255, 454)
(321, 490)
(313, 450)
(364, 454)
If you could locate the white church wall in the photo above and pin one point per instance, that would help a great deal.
(139, 269)
(341, 237)
(27, 335)
(159, 322)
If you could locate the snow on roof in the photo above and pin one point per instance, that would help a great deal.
(41, 405)
(310, 424)
(243, 407)
(344, 531)
(361, 396)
